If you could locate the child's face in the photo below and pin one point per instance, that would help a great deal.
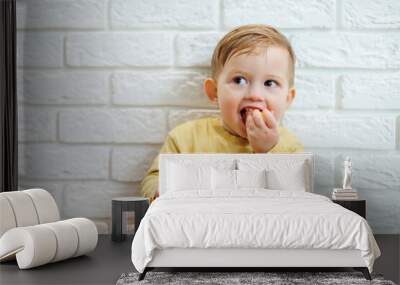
(259, 80)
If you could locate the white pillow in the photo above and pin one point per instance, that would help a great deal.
(252, 178)
(223, 179)
(181, 177)
(282, 174)
(229, 179)
(291, 178)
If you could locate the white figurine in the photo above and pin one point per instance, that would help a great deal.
(347, 174)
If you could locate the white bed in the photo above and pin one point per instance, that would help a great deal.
(241, 210)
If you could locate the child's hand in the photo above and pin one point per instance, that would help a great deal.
(262, 130)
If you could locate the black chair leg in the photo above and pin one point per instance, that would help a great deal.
(364, 271)
(142, 275)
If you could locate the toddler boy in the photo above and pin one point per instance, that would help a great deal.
(252, 83)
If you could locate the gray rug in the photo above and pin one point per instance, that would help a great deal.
(284, 278)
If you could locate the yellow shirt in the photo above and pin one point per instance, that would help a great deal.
(207, 135)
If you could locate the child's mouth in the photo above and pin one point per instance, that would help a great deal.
(245, 112)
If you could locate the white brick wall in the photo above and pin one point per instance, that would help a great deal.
(39, 49)
(65, 87)
(347, 49)
(62, 14)
(172, 14)
(118, 49)
(172, 88)
(101, 82)
(134, 125)
(283, 13)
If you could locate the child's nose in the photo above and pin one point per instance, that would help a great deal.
(255, 94)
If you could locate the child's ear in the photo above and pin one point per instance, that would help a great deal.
(210, 88)
(290, 97)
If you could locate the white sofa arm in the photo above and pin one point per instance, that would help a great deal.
(87, 235)
(26, 208)
(32, 245)
(40, 244)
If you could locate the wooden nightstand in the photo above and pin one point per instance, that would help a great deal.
(357, 206)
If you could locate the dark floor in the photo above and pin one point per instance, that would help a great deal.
(102, 266)
(110, 260)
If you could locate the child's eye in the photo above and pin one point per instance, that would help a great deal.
(240, 80)
(270, 83)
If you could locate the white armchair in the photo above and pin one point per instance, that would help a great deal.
(31, 230)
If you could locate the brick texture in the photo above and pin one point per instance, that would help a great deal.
(126, 14)
(102, 82)
(61, 14)
(285, 14)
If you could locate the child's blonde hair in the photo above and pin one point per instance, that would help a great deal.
(245, 39)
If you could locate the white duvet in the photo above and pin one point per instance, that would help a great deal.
(252, 218)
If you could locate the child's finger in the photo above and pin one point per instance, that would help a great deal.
(250, 122)
(258, 118)
(269, 119)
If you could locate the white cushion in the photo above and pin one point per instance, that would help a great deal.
(181, 177)
(40, 244)
(45, 205)
(32, 246)
(87, 233)
(251, 178)
(27, 208)
(227, 180)
(282, 174)
(282, 163)
(223, 179)
(67, 239)
(291, 178)
(7, 220)
(23, 208)
(27, 235)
